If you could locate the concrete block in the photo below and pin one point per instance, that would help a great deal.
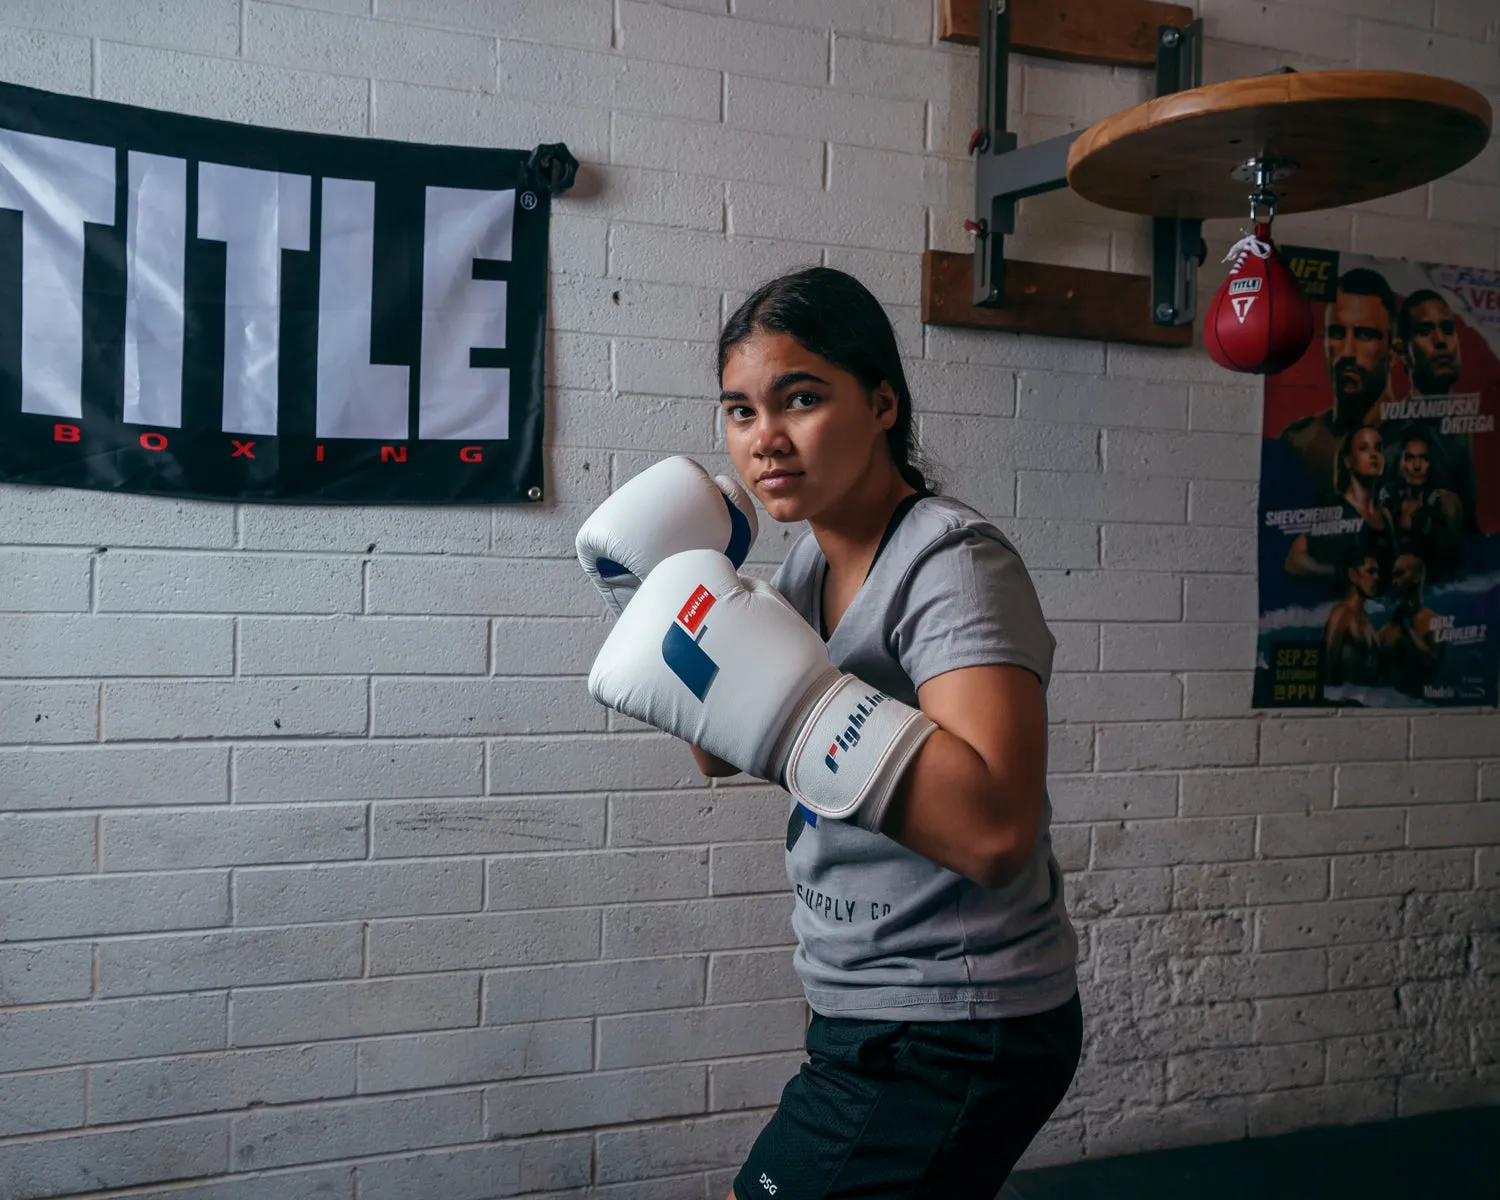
(108, 1031)
(441, 1060)
(1177, 548)
(282, 1137)
(356, 1009)
(335, 44)
(502, 826)
(750, 1082)
(480, 587)
(1181, 745)
(241, 958)
(1335, 1104)
(1190, 1123)
(1185, 646)
(1324, 833)
(1332, 923)
(1218, 978)
(414, 112)
(756, 867)
(147, 581)
(1228, 503)
(1229, 598)
(113, 1159)
(547, 645)
(211, 26)
(406, 947)
(868, 222)
(1082, 595)
(365, 530)
(891, 19)
(215, 1083)
(47, 713)
(1454, 825)
(1255, 791)
(1214, 408)
(233, 837)
(67, 517)
(473, 708)
(1460, 736)
(306, 894)
(362, 645)
(1133, 796)
(1095, 894)
(1091, 401)
(1404, 1052)
(726, 814)
(637, 422)
(736, 923)
(608, 81)
(907, 72)
(591, 763)
(1083, 496)
(356, 771)
(44, 580)
(46, 845)
(1244, 1071)
(232, 90)
(530, 881)
(86, 645)
(266, 708)
(654, 31)
(645, 1039)
(596, 1100)
(829, 115)
(1169, 455)
(1216, 693)
(1356, 738)
(1398, 784)
(970, 440)
(549, 993)
(43, 1103)
(1385, 47)
(45, 973)
(1170, 843)
(1336, 1014)
(34, 909)
(621, 193)
(57, 61)
(1230, 885)
(481, 1172)
(695, 1145)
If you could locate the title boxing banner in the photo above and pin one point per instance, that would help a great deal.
(203, 308)
(1380, 491)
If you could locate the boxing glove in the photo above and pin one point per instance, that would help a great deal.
(670, 507)
(727, 664)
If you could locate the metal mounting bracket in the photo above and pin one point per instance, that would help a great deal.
(1005, 173)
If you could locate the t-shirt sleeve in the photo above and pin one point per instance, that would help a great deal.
(968, 601)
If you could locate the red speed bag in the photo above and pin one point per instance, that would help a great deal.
(1259, 321)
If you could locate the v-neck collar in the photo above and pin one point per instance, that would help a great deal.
(902, 509)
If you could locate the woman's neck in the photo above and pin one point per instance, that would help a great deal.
(850, 534)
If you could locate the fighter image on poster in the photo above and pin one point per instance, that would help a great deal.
(1379, 534)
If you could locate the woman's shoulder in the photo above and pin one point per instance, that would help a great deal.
(939, 521)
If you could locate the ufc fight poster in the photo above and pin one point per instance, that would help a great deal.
(202, 308)
(1379, 539)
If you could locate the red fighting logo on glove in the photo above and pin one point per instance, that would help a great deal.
(680, 649)
(850, 737)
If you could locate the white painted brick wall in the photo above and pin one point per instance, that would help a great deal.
(320, 874)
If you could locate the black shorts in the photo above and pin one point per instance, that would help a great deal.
(920, 1110)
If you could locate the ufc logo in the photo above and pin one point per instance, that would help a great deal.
(766, 1183)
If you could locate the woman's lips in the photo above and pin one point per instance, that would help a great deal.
(779, 483)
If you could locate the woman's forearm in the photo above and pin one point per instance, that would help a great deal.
(714, 768)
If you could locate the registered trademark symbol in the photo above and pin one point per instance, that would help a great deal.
(528, 200)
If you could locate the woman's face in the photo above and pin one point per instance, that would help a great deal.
(1366, 460)
(802, 432)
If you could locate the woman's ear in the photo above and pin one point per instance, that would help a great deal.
(885, 404)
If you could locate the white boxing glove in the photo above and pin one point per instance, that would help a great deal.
(727, 664)
(666, 509)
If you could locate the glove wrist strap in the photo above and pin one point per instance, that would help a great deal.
(852, 749)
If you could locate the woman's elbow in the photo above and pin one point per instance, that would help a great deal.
(1005, 854)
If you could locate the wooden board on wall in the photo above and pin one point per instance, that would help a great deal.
(1117, 33)
(1045, 299)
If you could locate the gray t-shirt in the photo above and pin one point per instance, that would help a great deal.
(883, 933)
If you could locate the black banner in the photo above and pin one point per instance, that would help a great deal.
(201, 308)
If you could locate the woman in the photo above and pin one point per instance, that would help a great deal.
(936, 954)
(1362, 527)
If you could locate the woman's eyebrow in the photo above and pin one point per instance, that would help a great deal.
(780, 383)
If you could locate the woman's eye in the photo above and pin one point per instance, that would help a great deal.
(810, 397)
(738, 412)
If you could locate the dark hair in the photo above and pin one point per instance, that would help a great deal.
(1361, 281)
(1341, 471)
(1410, 305)
(834, 316)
